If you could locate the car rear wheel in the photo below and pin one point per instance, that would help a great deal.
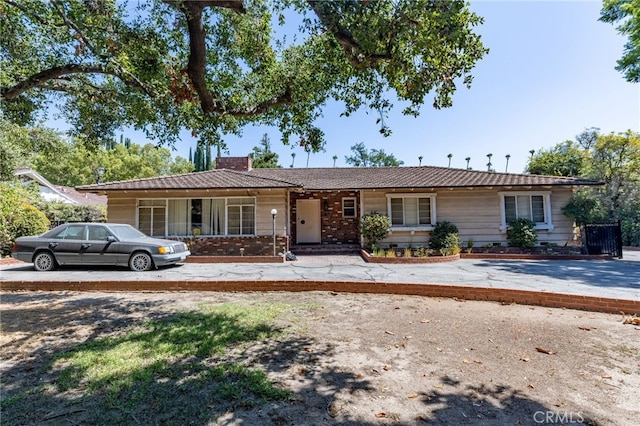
(140, 261)
(44, 261)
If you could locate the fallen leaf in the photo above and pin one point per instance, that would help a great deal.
(477, 362)
(545, 351)
(525, 359)
(333, 409)
(385, 368)
(381, 415)
(413, 395)
(530, 386)
(424, 320)
(307, 349)
(605, 377)
(466, 361)
(585, 328)
(389, 332)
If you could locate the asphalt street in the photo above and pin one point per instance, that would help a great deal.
(600, 278)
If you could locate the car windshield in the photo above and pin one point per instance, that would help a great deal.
(126, 232)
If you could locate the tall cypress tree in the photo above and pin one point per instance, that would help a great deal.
(199, 159)
(207, 163)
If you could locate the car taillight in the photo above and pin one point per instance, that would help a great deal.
(15, 245)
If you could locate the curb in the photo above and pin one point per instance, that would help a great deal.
(524, 297)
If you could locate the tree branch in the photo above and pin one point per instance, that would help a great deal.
(122, 71)
(355, 54)
(198, 54)
(39, 79)
(26, 11)
(235, 5)
(198, 60)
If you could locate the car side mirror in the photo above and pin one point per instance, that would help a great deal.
(111, 239)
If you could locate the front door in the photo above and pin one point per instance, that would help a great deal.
(308, 221)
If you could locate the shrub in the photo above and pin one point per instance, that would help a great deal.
(374, 227)
(62, 212)
(378, 252)
(522, 233)
(440, 233)
(18, 218)
(470, 243)
(422, 252)
(450, 245)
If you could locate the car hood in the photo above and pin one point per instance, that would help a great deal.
(152, 241)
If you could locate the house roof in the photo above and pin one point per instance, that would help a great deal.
(85, 198)
(340, 178)
(409, 177)
(59, 193)
(222, 178)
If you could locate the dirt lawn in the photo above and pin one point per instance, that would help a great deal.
(346, 359)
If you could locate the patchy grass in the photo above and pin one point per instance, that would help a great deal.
(146, 364)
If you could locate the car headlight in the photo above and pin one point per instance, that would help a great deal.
(165, 249)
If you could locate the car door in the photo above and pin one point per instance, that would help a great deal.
(97, 248)
(67, 245)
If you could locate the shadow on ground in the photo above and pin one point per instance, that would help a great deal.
(614, 273)
(219, 369)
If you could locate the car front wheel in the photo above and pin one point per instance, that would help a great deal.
(44, 261)
(140, 262)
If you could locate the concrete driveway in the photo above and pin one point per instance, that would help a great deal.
(618, 279)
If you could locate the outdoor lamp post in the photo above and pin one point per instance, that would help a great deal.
(274, 212)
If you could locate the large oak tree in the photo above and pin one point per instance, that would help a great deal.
(214, 66)
(626, 13)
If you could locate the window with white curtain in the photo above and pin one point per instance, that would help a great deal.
(197, 216)
(179, 220)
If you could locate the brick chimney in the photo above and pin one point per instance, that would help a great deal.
(242, 164)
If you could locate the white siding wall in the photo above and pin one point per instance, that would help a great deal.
(476, 213)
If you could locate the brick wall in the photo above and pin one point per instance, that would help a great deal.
(234, 163)
(335, 229)
(231, 246)
(524, 297)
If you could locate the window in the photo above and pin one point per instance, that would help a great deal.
(412, 211)
(349, 207)
(241, 216)
(152, 217)
(535, 206)
(72, 232)
(198, 216)
(98, 233)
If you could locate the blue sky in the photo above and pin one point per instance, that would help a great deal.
(548, 76)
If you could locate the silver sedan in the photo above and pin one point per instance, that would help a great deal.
(98, 244)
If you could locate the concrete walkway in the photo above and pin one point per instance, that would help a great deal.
(618, 279)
